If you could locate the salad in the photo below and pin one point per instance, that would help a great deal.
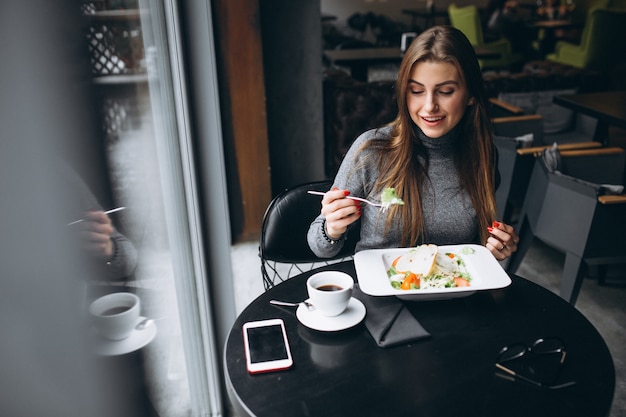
(389, 198)
(425, 267)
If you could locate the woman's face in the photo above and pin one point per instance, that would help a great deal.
(436, 97)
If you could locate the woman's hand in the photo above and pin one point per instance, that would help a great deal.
(503, 240)
(96, 231)
(339, 212)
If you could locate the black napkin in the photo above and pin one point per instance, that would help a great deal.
(388, 321)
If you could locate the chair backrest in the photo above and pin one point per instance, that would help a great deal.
(600, 166)
(518, 140)
(602, 40)
(565, 186)
(283, 246)
(510, 134)
(560, 207)
(556, 118)
(580, 13)
(467, 20)
(566, 212)
(514, 126)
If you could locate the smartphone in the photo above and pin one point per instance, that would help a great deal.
(266, 345)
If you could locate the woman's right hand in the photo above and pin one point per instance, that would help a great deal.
(339, 212)
(96, 231)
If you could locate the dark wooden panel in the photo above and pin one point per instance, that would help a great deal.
(242, 91)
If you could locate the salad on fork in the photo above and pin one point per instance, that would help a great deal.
(387, 198)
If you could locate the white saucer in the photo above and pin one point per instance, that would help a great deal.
(353, 315)
(136, 340)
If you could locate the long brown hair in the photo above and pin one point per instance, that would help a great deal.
(402, 160)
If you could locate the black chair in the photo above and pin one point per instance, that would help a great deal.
(515, 164)
(519, 139)
(512, 133)
(283, 246)
(575, 204)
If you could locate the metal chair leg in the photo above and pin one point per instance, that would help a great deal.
(572, 278)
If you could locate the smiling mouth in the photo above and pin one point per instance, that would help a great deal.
(432, 119)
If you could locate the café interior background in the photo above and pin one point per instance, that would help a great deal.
(47, 110)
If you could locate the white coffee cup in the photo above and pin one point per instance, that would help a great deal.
(115, 315)
(330, 291)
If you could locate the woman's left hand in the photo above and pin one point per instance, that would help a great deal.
(503, 240)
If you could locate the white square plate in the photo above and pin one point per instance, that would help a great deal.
(485, 272)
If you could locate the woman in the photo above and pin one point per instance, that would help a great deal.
(437, 154)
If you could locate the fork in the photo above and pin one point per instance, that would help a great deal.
(305, 303)
(371, 203)
(106, 212)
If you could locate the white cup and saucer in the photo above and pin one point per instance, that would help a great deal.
(335, 308)
(115, 318)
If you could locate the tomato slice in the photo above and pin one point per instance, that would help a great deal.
(409, 279)
(461, 282)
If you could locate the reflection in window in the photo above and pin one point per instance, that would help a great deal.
(147, 161)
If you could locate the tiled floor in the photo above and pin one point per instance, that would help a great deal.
(604, 306)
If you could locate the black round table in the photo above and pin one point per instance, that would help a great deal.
(452, 373)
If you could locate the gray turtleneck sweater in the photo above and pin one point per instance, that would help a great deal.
(449, 217)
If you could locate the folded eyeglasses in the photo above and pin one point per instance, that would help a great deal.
(536, 357)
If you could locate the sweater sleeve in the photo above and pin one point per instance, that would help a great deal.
(355, 175)
(318, 243)
(124, 260)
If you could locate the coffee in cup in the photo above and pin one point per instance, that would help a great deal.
(115, 315)
(330, 292)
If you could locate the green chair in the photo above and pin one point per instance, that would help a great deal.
(467, 20)
(580, 13)
(601, 45)
(578, 16)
